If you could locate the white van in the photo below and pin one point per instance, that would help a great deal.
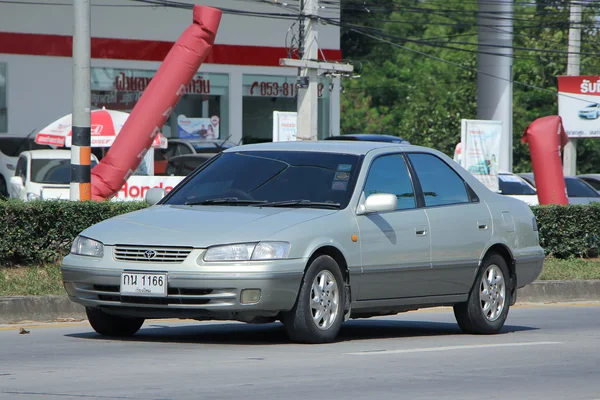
(43, 174)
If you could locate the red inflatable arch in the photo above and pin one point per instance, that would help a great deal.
(546, 137)
(156, 103)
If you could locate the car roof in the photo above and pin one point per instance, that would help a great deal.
(591, 176)
(58, 154)
(205, 156)
(325, 146)
(367, 137)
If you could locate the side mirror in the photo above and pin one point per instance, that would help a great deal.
(381, 202)
(154, 195)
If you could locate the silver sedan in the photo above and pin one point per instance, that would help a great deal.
(309, 234)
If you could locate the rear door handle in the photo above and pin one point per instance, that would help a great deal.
(482, 227)
(421, 232)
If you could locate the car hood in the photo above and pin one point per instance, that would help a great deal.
(199, 226)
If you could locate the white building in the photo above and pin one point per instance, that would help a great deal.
(241, 82)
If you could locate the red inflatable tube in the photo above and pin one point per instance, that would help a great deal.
(156, 103)
(546, 137)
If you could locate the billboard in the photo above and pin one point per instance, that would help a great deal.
(579, 105)
(284, 126)
(479, 150)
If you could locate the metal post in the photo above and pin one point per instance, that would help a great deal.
(308, 99)
(81, 133)
(573, 61)
(494, 64)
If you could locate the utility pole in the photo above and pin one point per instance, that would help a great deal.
(81, 188)
(573, 61)
(494, 66)
(308, 98)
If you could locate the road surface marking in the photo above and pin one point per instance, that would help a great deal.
(447, 348)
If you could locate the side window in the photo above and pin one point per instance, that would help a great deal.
(21, 168)
(441, 184)
(182, 149)
(389, 174)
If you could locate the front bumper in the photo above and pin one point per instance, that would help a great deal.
(199, 292)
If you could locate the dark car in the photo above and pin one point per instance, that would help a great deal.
(183, 165)
(578, 191)
(370, 137)
(181, 147)
(592, 179)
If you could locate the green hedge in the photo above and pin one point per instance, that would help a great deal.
(569, 231)
(39, 232)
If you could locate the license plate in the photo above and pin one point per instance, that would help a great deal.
(141, 284)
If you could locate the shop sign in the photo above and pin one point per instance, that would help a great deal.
(276, 89)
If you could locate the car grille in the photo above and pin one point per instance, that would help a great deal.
(152, 254)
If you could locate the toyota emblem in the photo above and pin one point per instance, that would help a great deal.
(149, 254)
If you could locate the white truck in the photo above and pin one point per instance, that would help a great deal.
(43, 174)
(46, 174)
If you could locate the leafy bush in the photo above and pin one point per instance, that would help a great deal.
(39, 232)
(569, 230)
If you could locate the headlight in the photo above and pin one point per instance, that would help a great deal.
(248, 251)
(87, 247)
(33, 196)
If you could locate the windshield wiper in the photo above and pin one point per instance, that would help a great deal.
(224, 200)
(299, 203)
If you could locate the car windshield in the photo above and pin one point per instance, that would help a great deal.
(264, 177)
(52, 171)
(512, 185)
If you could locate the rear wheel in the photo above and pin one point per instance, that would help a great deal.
(487, 308)
(113, 325)
(3, 188)
(318, 313)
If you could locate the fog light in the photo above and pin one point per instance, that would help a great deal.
(69, 288)
(250, 296)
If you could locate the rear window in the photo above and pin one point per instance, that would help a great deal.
(576, 188)
(512, 185)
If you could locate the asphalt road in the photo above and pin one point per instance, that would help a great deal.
(545, 352)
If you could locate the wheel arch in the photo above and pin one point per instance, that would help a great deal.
(504, 252)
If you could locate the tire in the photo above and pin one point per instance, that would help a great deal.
(3, 188)
(113, 325)
(483, 314)
(307, 325)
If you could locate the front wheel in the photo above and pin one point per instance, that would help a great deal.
(318, 313)
(487, 308)
(112, 325)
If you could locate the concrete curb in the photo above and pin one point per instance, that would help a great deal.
(55, 308)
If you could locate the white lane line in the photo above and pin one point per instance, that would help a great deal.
(447, 348)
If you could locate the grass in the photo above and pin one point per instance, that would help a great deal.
(31, 281)
(46, 280)
(570, 269)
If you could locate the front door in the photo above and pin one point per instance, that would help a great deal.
(395, 245)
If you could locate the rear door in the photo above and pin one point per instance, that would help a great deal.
(460, 224)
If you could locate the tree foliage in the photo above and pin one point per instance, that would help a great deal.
(405, 89)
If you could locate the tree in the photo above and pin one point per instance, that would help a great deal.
(422, 98)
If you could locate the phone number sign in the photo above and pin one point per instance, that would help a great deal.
(276, 89)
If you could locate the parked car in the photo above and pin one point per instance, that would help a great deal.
(514, 186)
(43, 174)
(578, 191)
(10, 148)
(310, 234)
(184, 165)
(179, 147)
(371, 137)
(591, 179)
